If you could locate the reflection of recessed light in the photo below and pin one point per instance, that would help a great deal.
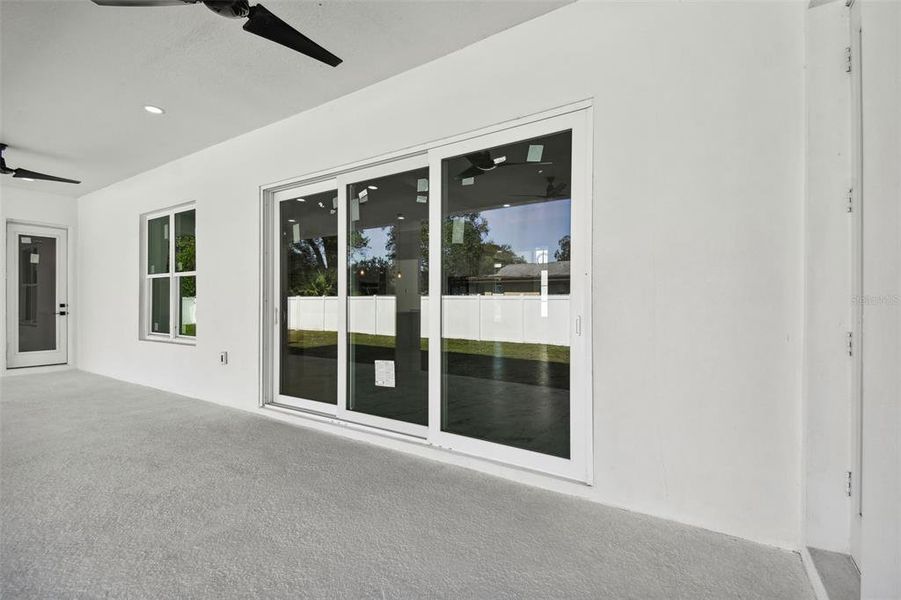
(362, 272)
(154, 110)
(26, 179)
(291, 221)
(398, 276)
(301, 199)
(541, 170)
(373, 187)
(506, 206)
(321, 205)
(400, 217)
(498, 265)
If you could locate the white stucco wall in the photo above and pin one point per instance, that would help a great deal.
(697, 257)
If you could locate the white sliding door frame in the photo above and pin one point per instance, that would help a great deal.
(288, 195)
(374, 172)
(579, 465)
(576, 118)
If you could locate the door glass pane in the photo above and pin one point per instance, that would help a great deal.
(159, 305)
(187, 306)
(184, 241)
(37, 293)
(309, 297)
(505, 298)
(388, 279)
(158, 245)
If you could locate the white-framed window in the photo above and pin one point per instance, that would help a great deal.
(169, 275)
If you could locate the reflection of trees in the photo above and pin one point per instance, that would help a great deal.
(476, 255)
(185, 253)
(312, 267)
(562, 252)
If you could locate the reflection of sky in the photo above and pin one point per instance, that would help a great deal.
(529, 227)
(378, 238)
(525, 228)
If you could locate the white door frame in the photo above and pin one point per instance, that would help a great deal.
(579, 465)
(288, 195)
(60, 355)
(857, 308)
(374, 172)
(576, 117)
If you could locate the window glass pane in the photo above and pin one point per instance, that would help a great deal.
(37, 293)
(158, 245)
(187, 306)
(506, 281)
(184, 241)
(387, 284)
(309, 297)
(159, 305)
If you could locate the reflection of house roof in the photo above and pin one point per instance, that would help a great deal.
(531, 270)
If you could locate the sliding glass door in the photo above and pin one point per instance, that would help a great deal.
(446, 296)
(307, 292)
(387, 283)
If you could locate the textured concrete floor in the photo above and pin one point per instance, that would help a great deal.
(837, 572)
(110, 490)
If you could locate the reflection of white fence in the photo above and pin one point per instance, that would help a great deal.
(529, 319)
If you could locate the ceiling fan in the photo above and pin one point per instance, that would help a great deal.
(260, 22)
(552, 192)
(26, 174)
(482, 162)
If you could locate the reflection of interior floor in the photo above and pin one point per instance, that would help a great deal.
(515, 402)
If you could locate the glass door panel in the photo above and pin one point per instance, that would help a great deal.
(37, 293)
(387, 284)
(506, 253)
(308, 294)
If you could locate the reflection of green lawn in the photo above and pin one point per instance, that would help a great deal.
(540, 352)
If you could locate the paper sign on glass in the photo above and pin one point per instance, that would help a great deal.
(468, 181)
(363, 196)
(26, 240)
(295, 232)
(422, 199)
(457, 233)
(165, 231)
(35, 258)
(422, 185)
(535, 152)
(384, 373)
(354, 209)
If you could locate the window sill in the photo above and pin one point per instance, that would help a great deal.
(178, 341)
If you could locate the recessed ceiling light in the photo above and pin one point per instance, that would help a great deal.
(301, 199)
(506, 206)
(373, 187)
(154, 110)
(400, 217)
(292, 221)
(26, 179)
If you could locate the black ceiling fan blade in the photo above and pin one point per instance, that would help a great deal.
(26, 174)
(143, 2)
(263, 23)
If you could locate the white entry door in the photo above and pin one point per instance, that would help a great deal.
(36, 292)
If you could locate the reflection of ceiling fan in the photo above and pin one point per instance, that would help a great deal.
(260, 22)
(552, 192)
(26, 174)
(482, 162)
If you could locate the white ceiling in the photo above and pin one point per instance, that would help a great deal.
(75, 76)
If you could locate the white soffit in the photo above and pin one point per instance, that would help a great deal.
(75, 76)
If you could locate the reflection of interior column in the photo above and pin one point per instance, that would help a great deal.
(406, 290)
